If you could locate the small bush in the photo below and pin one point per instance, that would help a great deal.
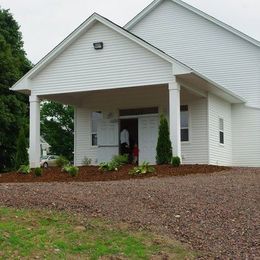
(72, 170)
(86, 161)
(120, 159)
(24, 169)
(164, 145)
(109, 166)
(176, 161)
(62, 161)
(21, 157)
(38, 171)
(142, 169)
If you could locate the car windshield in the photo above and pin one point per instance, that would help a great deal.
(44, 157)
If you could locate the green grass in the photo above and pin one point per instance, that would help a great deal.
(54, 235)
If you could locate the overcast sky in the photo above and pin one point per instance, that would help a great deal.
(44, 23)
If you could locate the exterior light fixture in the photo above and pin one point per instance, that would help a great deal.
(98, 45)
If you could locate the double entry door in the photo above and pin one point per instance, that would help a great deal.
(108, 138)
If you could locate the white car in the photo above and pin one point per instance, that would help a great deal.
(48, 160)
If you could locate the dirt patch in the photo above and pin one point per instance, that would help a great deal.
(92, 173)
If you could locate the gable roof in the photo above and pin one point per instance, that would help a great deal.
(24, 83)
(19, 85)
(227, 27)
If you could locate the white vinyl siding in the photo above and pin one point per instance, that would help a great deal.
(82, 139)
(219, 154)
(121, 63)
(195, 151)
(109, 103)
(211, 50)
(246, 136)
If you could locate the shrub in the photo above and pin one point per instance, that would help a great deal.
(24, 169)
(164, 146)
(142, 169)
(62, 161)
(38, 171)
(21, 157)
(72, 170)
(86, 161)
(109, 166)
(176, 161)
(120, 159)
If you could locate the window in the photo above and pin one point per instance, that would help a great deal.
(221, 130)
(184, 123)
(95, 117)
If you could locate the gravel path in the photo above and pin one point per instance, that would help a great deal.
(217, 214)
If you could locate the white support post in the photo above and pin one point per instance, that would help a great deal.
(34, 149)
(174, 117)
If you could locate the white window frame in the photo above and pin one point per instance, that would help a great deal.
(188, 127)
(221, 130)
(91, 128)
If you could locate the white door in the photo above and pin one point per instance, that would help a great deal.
(107, 138)
(147, 138)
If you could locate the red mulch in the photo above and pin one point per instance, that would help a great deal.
(91, 173)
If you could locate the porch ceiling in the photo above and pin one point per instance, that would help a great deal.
(142, 96)
(202, 85)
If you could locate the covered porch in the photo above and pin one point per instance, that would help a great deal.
(101, 114)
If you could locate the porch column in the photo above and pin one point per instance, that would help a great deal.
(174, 117)
(34, 149)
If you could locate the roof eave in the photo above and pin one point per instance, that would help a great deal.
(155, 3)
(23, 83)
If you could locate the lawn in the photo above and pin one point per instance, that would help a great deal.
(50, 234)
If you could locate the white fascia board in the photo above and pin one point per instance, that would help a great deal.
(236, 97)
(180, 69)
(155, 3)
(23, 82)
(176, 63)
(142, 14)
(218, 22)
(52, 54)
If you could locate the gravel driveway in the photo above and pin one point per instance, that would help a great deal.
(217, 214)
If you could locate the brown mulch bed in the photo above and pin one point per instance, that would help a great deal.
(92, 173)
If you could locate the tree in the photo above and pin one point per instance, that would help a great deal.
(164, 146)
(13, 106)
(57, 127)
(21, 157)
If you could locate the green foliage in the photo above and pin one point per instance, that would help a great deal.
(86, 161)
(13, 106)
(38, 171)
(164, 146)
(120, 159)
(114, 165)
(176, 161)
(21, 156)
(72, 170)
(57, 127)
(144, 168)
(62, 161)
(24, 169)
(109, 166)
